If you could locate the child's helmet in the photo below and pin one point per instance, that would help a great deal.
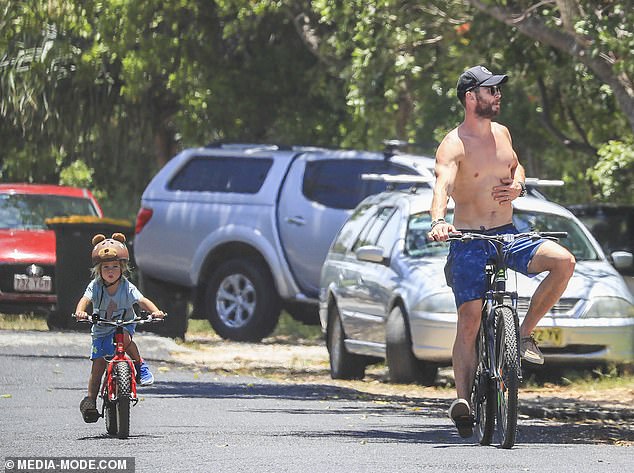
(109, 249)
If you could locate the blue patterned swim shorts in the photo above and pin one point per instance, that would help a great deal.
(466, 261)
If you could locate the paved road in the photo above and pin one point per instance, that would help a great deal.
(192, 421)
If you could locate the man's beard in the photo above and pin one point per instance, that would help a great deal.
(485, 110)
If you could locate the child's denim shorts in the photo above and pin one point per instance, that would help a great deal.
(103, 346)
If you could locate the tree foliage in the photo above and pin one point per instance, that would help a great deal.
(106, 92)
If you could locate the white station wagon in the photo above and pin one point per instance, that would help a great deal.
(384, 295)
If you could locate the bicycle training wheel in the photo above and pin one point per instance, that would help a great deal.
(507, 376)
(483, 395)
(122, 402)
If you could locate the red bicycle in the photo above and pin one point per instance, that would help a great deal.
(118, 388)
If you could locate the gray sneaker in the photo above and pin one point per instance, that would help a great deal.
(460, 414)
(530, 351)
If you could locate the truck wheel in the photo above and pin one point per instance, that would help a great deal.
(170, 300)
(241, 301)
(402, 365)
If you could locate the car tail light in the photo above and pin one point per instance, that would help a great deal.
(142, 218)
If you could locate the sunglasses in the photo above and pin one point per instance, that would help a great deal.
(493, 89)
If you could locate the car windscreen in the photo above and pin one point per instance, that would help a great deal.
(418, 245)
(577, 242)
(29, 211)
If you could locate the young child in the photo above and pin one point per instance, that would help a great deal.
(111, 295)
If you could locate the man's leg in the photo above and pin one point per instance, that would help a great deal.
(560, 264)
(464, 349)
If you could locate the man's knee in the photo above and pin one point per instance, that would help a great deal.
(469, 315)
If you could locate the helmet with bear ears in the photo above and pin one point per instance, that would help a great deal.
(109, 249)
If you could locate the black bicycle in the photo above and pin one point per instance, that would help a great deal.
(499, 370)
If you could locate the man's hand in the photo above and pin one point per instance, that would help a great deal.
(159, 314)
(81, 316)
(441, 231)
(507, 191)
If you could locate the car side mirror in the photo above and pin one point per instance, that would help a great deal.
(622, 259)
(371, 254)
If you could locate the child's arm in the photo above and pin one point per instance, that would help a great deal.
(147, 304)
(80, 310)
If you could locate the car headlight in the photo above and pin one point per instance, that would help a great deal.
(442, 303)
(612, 307)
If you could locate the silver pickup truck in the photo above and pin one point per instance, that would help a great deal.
(238, 232)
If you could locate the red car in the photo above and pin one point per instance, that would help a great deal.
(27, 245)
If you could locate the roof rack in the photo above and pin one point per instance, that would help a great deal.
(392, 180)
(234, 145)
(537, 182)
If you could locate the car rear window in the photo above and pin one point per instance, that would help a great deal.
(222, 174)
(338, 184)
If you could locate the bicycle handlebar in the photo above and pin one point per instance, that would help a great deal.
(507, 237)
(144, 317)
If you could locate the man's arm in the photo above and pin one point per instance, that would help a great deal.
(446, 171)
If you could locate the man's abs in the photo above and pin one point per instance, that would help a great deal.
(479, 211)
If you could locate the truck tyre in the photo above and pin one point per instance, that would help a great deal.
(241, 301)
(170, 300)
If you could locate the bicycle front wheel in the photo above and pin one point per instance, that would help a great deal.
(124, 382)
(507, 375)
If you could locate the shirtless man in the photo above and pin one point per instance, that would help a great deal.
(477, 166)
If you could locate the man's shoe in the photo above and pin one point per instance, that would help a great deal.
(88, 409)
(144, 376)
(460, 414)
(530, 351)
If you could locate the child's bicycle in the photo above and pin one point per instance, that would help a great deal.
(118, 388)
(498, 370)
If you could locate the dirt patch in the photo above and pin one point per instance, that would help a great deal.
(307, 362)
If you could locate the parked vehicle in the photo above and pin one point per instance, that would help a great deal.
(241, 230)
(382, 263)
(613, 227)
(27, 245)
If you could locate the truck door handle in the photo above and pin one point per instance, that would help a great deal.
(297, 220)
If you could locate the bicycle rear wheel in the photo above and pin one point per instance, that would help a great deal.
(483, 394)
(124, 381)
(507, 375)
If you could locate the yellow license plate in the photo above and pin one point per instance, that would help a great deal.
(549, 337)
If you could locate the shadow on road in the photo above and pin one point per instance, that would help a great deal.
(531, 431)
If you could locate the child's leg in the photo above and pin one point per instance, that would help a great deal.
(96, 373)
(88, 405)
(131, 349)
(144, 376)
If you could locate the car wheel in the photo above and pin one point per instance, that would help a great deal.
(402, 365)
(241, 301)
(343, 364)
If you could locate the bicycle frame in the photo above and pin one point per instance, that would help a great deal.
(108, 387)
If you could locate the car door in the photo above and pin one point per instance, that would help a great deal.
(317, 197)
(375, 281)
